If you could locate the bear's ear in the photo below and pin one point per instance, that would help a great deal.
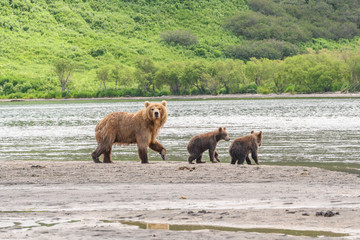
(147, 103)
(224, 128)
(220, 129)
(163, 103)
(260, 134)
(252, 131)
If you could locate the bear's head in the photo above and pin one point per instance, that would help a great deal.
(156, 111)
(258, 136)
(223, 135)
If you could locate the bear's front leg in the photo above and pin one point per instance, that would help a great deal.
(212, 155)
(254, 155)
(217, 156)
(157, 147)
(142, 151)
(248, 161)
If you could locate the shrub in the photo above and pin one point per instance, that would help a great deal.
(133, 92)
(296, 22)
(264, 90)
(107, 93)
(97, 52)
(23, 87)
(271, 49)
(8, 88)
(181, 37)
(248, 88)
(200, 52)
(290, 89)
(83, 94)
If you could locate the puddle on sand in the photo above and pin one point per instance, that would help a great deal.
(353, 168)
(31, 224)
(180, 227)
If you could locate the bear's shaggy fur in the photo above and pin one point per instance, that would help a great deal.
(125, 128)
(241, 148)
(202, 142)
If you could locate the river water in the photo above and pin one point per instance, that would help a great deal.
(295, 130)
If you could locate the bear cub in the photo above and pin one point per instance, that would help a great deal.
(206, 141)
(241, 148)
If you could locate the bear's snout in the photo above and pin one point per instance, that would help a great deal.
(156, 114)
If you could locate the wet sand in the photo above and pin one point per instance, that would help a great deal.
(84, 200)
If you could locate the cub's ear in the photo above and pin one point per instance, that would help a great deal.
(260, 134)
(163, 103)
(220, 129)
(252, 131)
(147, 103)
(224, 128)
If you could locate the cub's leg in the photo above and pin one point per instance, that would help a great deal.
(241, 159)
(254, 155)
(192, 157)
(212, 155)
(198, 160)
(248, 161)
(217, 156)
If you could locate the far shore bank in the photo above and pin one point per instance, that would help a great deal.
(205, 97)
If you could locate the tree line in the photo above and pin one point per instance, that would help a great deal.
(322, 71)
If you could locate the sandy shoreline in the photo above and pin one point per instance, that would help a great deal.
(220, 96)
(83, 200)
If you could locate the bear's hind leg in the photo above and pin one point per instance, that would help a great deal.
(198, 160)
(103, 145)
(241, 159)
(107, 156)
(191, 158)
(96, 154)
(95, 158)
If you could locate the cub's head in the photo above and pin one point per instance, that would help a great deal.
(258, 136)
(156, 111)
(223, 134)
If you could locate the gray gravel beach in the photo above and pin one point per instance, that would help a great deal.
(83, 200)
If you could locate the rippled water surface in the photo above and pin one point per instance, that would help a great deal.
(295, 130)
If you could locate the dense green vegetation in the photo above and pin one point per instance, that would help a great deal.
(289, 23)
(83, 48)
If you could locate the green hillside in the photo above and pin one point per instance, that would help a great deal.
(156, 47)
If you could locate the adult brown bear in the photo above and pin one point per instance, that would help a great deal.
(241, 148)
(125, 128)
